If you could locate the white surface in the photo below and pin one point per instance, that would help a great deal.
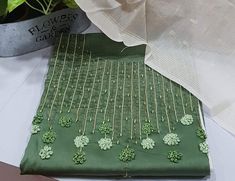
(21, 86)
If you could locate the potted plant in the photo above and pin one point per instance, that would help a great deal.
(29, 25)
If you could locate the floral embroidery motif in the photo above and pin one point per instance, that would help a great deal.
(38, 118)
(187, 119)
(35, 129)
(46, 152)
(148, 143)
(204, 147)
(105, 143)
(79, 157)
(105, 128)
(201, 133)
(147, 128)
(49, 137)
(81, 141)
(65, 121)
(127, 154)
(171, 139)
(174, 156)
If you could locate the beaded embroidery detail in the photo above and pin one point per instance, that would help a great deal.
(46, 152)
(35, 129)
(171, 139)
(204, 147)
(174, 156)
(186, 120)
(111, 103)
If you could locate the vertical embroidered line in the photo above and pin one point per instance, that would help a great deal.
(83, 88)
(88, 107)
(145, 91)
(107, 102)
(132, 100)
(172, 94)
(155, 101)
(138, 67)
(164, 100)
(58, 85)
(182, 99)
(123, 97)
(102, 82)
(200, 123)
(191, 102)
(79, 72)
(70, 74)
(115, 101)
(53, 72)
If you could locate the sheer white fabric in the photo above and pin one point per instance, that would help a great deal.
(191, 42)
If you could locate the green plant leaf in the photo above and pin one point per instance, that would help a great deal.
(3, 7)
(70, 3)
(12, 4)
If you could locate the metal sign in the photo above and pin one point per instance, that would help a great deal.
(34, 34)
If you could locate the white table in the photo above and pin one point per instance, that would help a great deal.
(21, 86)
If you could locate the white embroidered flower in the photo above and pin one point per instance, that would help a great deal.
(45, 152)
(204, 147)
(186, 119)
(105, 143)
(148, 143)
(171, 139)
(35, 129)
(81, 141)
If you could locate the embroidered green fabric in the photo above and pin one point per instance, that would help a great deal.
(105, 113)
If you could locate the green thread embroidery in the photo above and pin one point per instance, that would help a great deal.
(147, 128)
(38, 118)
(81, 141)
(174, 156)
(79, 157)
(201, 133)
(105, 143)
(127, 154)
(105, 128)
(35, 129)
(65, 121)
(49, 137)
(46, 152)
(171, 139)
(148, 143)
(204, 147)
(187, 120)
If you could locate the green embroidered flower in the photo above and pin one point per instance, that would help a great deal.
(204, 147)
(201, 133)
(127, 154)
(79, 157)
(171, 139)
(105, 143)
(187, 119)
(46, 152)
(147, 128)
(81, 141)
(65, 121)
(148, 143)
(49, 137)
(38, 118)
(35, 129)
(174, 156)
(105, 128)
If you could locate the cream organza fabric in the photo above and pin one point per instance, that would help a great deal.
(191, 42)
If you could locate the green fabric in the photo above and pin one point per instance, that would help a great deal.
(148, 108)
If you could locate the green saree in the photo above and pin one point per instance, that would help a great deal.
(105, 113)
